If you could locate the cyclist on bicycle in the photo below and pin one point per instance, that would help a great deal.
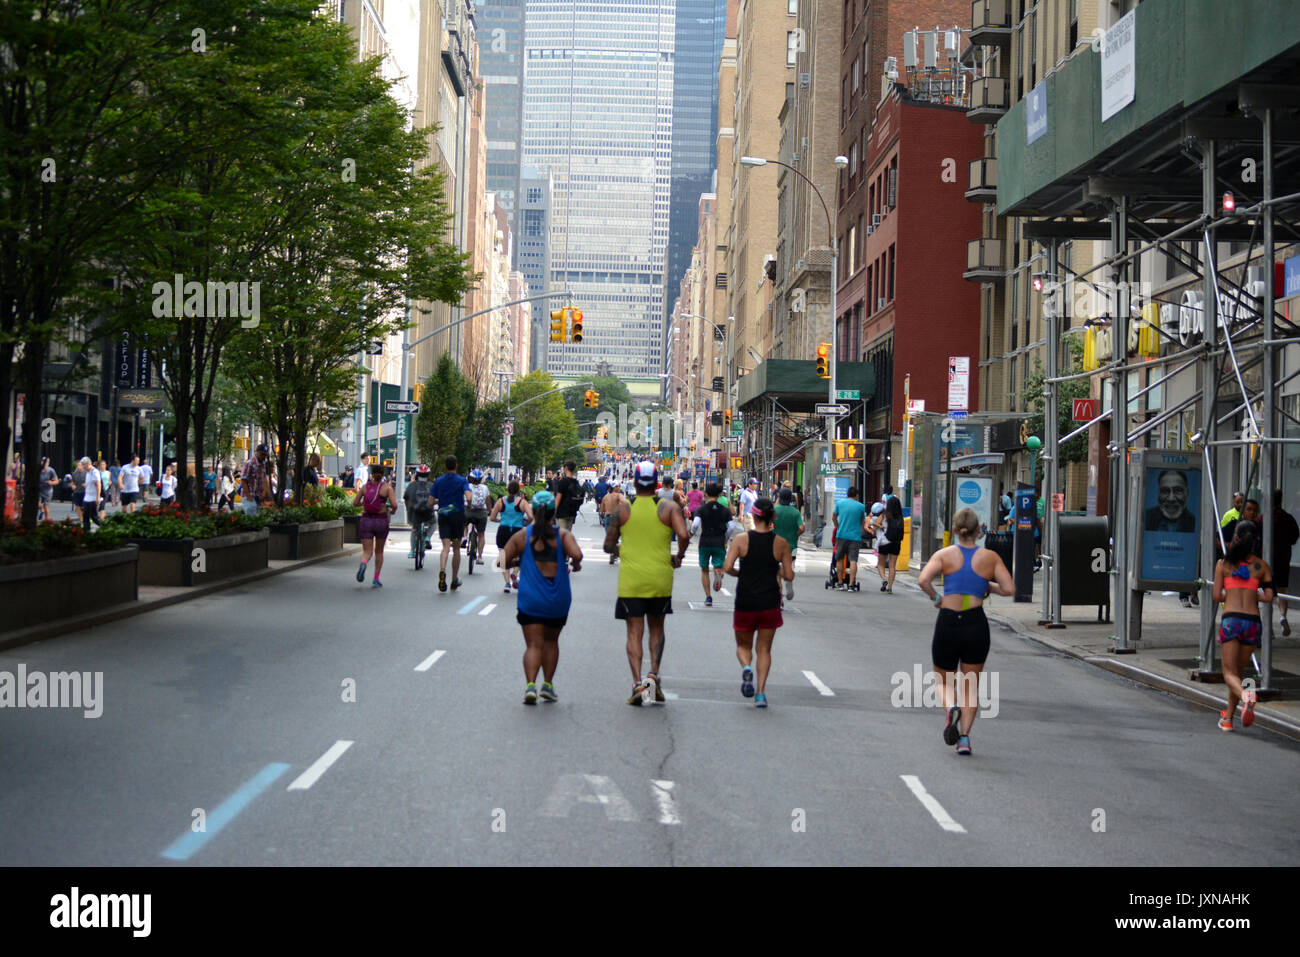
(418, 496)
(477, 502)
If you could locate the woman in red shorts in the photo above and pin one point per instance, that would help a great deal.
(763, 556)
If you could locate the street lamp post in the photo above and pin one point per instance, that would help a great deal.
(841, 162)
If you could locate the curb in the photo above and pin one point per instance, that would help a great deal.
(1263, 718)
(104, 616)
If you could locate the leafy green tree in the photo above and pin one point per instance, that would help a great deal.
(544, 428)
(481, 434)
(1075, 450)
(442, 416)
(76, 166)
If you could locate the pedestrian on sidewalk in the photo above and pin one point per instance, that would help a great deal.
(252, 480)
(545, 595)
(377, 500)
(129, 481)
(874, 533)
(1285, 534)
(1241, 581)
(710, 524)
(788, 524)
(961, 632)
(168, 496)
(765, 558)
(92, 492)
(891, 544)
(226, 501)
(49, 481)
(146, 481)
(645, 574)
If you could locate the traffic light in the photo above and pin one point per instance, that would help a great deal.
(575, 324)
(419, 391)
(557, 325)
(846, 450)
(595, 399)
(727, 415)
(824, 360)
(737, 462)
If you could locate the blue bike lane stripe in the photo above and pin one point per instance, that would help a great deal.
(471, 605)
(186, 845)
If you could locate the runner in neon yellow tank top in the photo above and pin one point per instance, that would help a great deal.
(645, 577)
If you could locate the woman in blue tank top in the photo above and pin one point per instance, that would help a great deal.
(514, 512)
(544, 593)
(961, 634)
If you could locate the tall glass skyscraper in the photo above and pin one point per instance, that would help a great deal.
(598, 113)
(701, 28)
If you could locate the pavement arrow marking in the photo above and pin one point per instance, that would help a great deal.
(817, 683)
(427, 663)
(313, 773)
(934, 807)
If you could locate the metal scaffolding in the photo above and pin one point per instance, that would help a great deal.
(1142, 199)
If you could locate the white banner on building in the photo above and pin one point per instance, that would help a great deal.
(1118, 71)
(958, 383)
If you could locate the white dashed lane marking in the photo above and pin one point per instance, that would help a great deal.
(817, 683)
(934, 807)
(427, 663)
(313, 773)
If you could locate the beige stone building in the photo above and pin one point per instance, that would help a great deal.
(765, 65)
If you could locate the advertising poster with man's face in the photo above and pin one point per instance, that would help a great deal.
(1171, 518)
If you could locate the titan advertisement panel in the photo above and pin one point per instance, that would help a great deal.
(976, 491)
(1168, 539)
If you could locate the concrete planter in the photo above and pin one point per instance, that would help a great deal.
(174, 561)
(36, 592)
(351, 529)
(306, 540)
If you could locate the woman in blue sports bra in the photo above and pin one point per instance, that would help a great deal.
(544, 594)
(1241, 581)
(961, 634)
(514, 512)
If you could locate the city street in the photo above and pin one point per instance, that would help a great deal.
(315, 721)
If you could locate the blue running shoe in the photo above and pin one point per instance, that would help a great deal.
(530, 693)
(548, 692)
(760, 700)
(747, 682)
(963, 744)
(361, 572)
(376, 584)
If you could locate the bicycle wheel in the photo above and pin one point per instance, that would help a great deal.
(419, 546)
(473, 547)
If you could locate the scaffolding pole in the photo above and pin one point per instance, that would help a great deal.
(1210, 426)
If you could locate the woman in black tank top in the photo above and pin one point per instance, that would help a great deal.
(763, 556)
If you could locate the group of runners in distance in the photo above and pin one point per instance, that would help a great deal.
(647, 534)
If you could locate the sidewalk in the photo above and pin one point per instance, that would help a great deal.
(1164, 658)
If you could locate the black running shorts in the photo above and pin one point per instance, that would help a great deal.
(960, 637)
(504, 532)
(625, 608)
(451, 525)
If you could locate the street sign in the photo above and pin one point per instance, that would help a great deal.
(510, 427)
(731, 439)
(509, 420)
(848, 394)
(825, 408)
(401, 406)
(401, 427)
(958, 414)
(1085, 410)
(915, 406)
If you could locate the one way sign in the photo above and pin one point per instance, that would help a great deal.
(401, 406)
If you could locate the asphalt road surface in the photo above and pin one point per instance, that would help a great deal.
(309, 720)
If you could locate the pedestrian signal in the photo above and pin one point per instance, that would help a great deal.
(846, 451)
(557, 325)
(575, 324)
(737, 462)
(824, 360)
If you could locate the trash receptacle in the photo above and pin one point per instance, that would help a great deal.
(1083, 551)
(1002, 543)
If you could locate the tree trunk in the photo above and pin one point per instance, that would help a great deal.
(6, 396)
(33, 362)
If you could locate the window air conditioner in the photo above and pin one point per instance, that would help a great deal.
(880, 303)
(875, 219)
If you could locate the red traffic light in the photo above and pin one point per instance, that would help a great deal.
(823, 351)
